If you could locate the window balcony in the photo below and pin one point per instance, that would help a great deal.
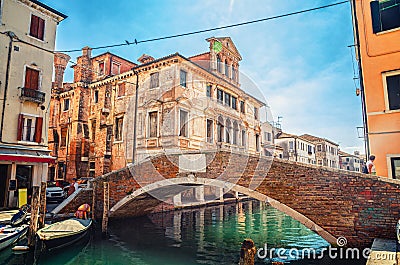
(33, 95)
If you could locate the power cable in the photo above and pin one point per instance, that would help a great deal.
(211, 29)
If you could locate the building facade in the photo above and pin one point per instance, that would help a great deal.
(350, 162)
(377, 35)
(26, 27)
(296, 148)
(326, 151)
(180, 103)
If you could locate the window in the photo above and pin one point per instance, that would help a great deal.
(228, 131)
(115, 68)
(226, 68)
(395, 165)
(92, 169)
(385, 15)
(209, 131)
(96, 96)
(255, 113)
(66, 104)
(319, 148)
(209, 91)
(393, 91)
(220, 95)
(121, 90)
(257, 142)
(63, 142)
(101, 68)
(227, 99)
(233, 73)
(183, 75)
(291, 145)
(29, 128)
(234, 102)
(219, 68)
(118, 128)
(243, 137)
(153, 120)
(220, 129)
(37, 27)
(93, 130)
(309, 149)
(31, 78)
(320, 162)
(242, 108)
(235, 133)
(183, 123)
(154, 81)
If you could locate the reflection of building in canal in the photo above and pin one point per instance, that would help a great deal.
(251, 218)
(201, 195)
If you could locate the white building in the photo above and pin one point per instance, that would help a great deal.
(296, 148)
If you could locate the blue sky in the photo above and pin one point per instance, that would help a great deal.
(301, 63)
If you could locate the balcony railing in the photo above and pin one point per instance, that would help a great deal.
(32, 95)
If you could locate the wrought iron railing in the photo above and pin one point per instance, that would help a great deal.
(32, 95)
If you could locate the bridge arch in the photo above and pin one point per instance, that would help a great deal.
(193, 181)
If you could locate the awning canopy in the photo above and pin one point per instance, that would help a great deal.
(21, 155)
(27, 158)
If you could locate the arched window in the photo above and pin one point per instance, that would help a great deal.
(219, 68)
(226, 68)
(220, 129)
(235, 132)
(228, 131)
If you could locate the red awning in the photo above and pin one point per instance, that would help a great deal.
(27, 158)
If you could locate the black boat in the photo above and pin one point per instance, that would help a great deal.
(64, 233)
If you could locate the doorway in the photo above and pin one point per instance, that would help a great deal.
(4, 176)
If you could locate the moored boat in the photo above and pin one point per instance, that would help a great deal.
(9, 235)
(64, 233)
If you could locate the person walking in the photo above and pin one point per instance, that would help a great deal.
(370, 167)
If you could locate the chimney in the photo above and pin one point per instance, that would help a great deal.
(145, 58)
(83, 68)
(60, 63)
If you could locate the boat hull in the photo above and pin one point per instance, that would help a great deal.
(12, 238)
(64, 241)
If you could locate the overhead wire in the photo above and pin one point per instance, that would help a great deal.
(184, 34)
(210, 29)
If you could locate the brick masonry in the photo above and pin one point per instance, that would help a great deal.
(356, 206)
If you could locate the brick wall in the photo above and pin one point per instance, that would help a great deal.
(349, 204)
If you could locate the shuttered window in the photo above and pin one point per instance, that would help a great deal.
(121, 90)
(37, 27)
(153, 120)
(29, 128)
(31, 78)
(154, 80)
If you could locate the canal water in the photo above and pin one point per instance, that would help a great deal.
(211, 235)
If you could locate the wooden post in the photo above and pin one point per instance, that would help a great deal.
(94, 185)
(247, 252)
(42, 204)
(33, 226)
(105, 207)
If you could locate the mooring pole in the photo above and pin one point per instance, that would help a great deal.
(105, 207)
(42, 204)
(33, 226)
(94, 185)
(247, 252)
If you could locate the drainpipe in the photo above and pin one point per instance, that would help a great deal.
(135, 118)
(363, 106)
(11, 35)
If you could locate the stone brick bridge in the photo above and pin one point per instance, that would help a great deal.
(332, 203)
